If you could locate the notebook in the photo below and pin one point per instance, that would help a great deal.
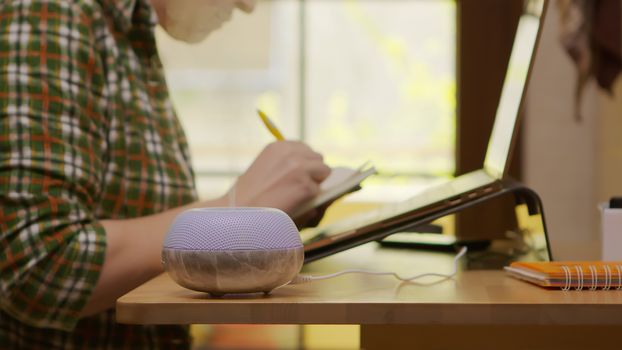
(432, 203)
(566, 275)
(341, 181)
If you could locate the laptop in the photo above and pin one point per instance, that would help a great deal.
(429, 204)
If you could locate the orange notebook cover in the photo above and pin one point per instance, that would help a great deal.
(570, 274)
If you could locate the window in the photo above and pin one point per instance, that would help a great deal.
(358, 80)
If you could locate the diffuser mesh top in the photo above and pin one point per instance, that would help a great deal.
(232, 229)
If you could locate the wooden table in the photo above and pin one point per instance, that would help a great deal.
(476, 309)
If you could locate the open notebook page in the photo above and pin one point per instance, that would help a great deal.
(341, 181)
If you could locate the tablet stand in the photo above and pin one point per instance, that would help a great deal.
(522, 195)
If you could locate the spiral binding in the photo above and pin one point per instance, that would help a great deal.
(594, 276)
(568, 278)
(580, 275)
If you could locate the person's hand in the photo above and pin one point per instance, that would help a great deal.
(284, 175)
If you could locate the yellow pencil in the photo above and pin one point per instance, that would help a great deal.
(271, 127)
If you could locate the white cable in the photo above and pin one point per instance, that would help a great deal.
(308, 278)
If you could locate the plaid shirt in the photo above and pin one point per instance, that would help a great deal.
(87, 132)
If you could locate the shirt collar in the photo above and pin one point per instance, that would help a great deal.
(123, 12)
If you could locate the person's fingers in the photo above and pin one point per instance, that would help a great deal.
(292, 150)
(297, 145)
(309, 188)
(246, 5)
(317, 170)
(301, 169)
(284, 175)
(301, 149)
(314, 156)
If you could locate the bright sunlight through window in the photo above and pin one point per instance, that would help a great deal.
(359, 80)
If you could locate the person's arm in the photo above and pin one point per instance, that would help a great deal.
(59, 260)
(133, 255)
(52, 151)
(284, 175)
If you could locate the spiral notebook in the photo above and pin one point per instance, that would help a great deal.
(567, 275)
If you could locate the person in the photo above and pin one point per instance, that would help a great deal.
(94, 166)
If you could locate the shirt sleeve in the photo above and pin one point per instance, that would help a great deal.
(52, 148)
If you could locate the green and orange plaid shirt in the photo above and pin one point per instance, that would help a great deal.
(87, 132)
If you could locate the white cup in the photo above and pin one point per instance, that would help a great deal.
(611, 228)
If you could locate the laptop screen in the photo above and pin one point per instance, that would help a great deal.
(501, 139)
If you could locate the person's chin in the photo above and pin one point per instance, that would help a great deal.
(194, 36)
